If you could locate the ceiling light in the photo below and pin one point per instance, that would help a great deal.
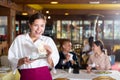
(94, 2)
(47, 12)
(54, 2)
(24, 13)
(33, 11)
(117, 13)
(66, 13)
(49, 17)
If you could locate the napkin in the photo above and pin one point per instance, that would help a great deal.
(41, 52)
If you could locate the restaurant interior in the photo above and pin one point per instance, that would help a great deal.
(66, 19)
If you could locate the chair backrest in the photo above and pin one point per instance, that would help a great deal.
(112, 59)
(4, 61)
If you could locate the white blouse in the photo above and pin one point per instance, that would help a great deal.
(23, 46)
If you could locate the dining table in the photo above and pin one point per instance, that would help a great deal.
(7, 74)
(84, 75)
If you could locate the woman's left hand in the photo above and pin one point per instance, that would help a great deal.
(49, 52)
(48, 49)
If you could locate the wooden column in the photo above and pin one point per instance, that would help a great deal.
(11, 25)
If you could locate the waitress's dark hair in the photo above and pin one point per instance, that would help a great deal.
(99, 43)
(36, 16)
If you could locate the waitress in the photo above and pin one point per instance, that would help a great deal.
(24, 53)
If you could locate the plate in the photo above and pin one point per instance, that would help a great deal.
(103, 72)
(103, 78)
(61, 79)
(38, 57)
(4, 69)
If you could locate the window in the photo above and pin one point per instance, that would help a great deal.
(108, 29)
(117, 29)
(3, 28)
(68, 29)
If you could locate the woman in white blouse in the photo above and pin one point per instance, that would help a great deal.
(32, 53)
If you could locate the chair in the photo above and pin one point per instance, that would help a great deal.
(112, 59)
(84, 59)
(17, 75)
(4, 61)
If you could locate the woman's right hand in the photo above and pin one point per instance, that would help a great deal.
(24, 60)
(97, 67)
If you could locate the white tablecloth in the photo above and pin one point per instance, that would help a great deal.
(83, 75)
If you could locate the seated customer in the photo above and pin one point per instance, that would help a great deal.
(116, 64)
(86, 46)
(99, 60)
(67, 59)
(85, 53)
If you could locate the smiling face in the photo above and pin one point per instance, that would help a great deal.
(95, 48)
(37, 28)
(37, 25)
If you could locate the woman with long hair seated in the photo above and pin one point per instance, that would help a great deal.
(98, 60)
